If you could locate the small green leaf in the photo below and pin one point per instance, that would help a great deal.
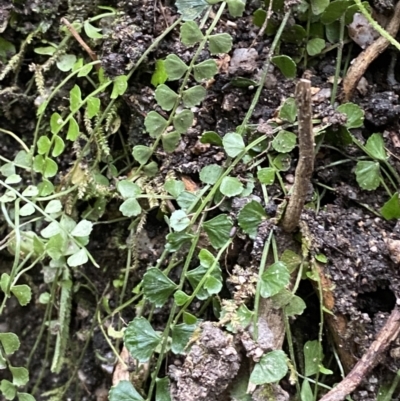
(376, 147)
(66, 62)
(207, 259)
(391, 209)
(231, 186)
(59, 146)
(20, 376)
(180, 298)
(282, 162)
(170, 141)
(233, 144)
(13, 179)
(27, 210)
(45, 50)
(140, 339)
(312, 357)
(190, 33)
(296, 306)
(43, 145)
(30, 191)
(286, 65)
(52, 229)
(318, 7)
(93, 106)
(9, 168)
(9, 341)
(288, 111)
(266, 175)
(75, 99)
(124, 391)
(250, 217)
(157, 287)
(187, 200)
(354, 113)
(271, 368)
(45, 188)
(73, 129)
(55, 123)
(174, 187)
(315, 46)
(213, 285)
(368, 175)
(155, 124)
(193, 96)
(321, 258)
(194, 277)
(79, 258)
(85, 70)
(120, 85)
(54, 206)
(212, 138)
(291, 259)
(92, 31)
(306, 393)
(284, 142)
(176, 240)
(160, 75)
(274, 279)
(82, 229)
(175, 67)
(218, 230)
(142, 154)
(181, 334)
(236, 7)
(220, 43)
(179, 220)
(130, 208)
(128, 189)
(8, 389)
(205, 70)
(25, 397)
(210, 174)
(191, 9)
(165, 97)
(334, 11)
(183, 121)
(163, 389)
(50, 168)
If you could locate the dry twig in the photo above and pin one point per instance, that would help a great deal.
(79, 39)
(305, 165)
(365, 58)
(369, 360)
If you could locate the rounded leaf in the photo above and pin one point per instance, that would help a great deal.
(286, 65)
(271, 368)
(284, 142)
(231, 186)
(165, 97)
(233, 144)
(193, 96)
(183, 121)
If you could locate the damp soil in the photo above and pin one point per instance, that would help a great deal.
(362, 266)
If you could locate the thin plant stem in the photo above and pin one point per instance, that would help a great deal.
(258, 288)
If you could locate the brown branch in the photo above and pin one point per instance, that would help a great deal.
(368, 361)
(79, 39)
(365, 58)
(305, 166)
